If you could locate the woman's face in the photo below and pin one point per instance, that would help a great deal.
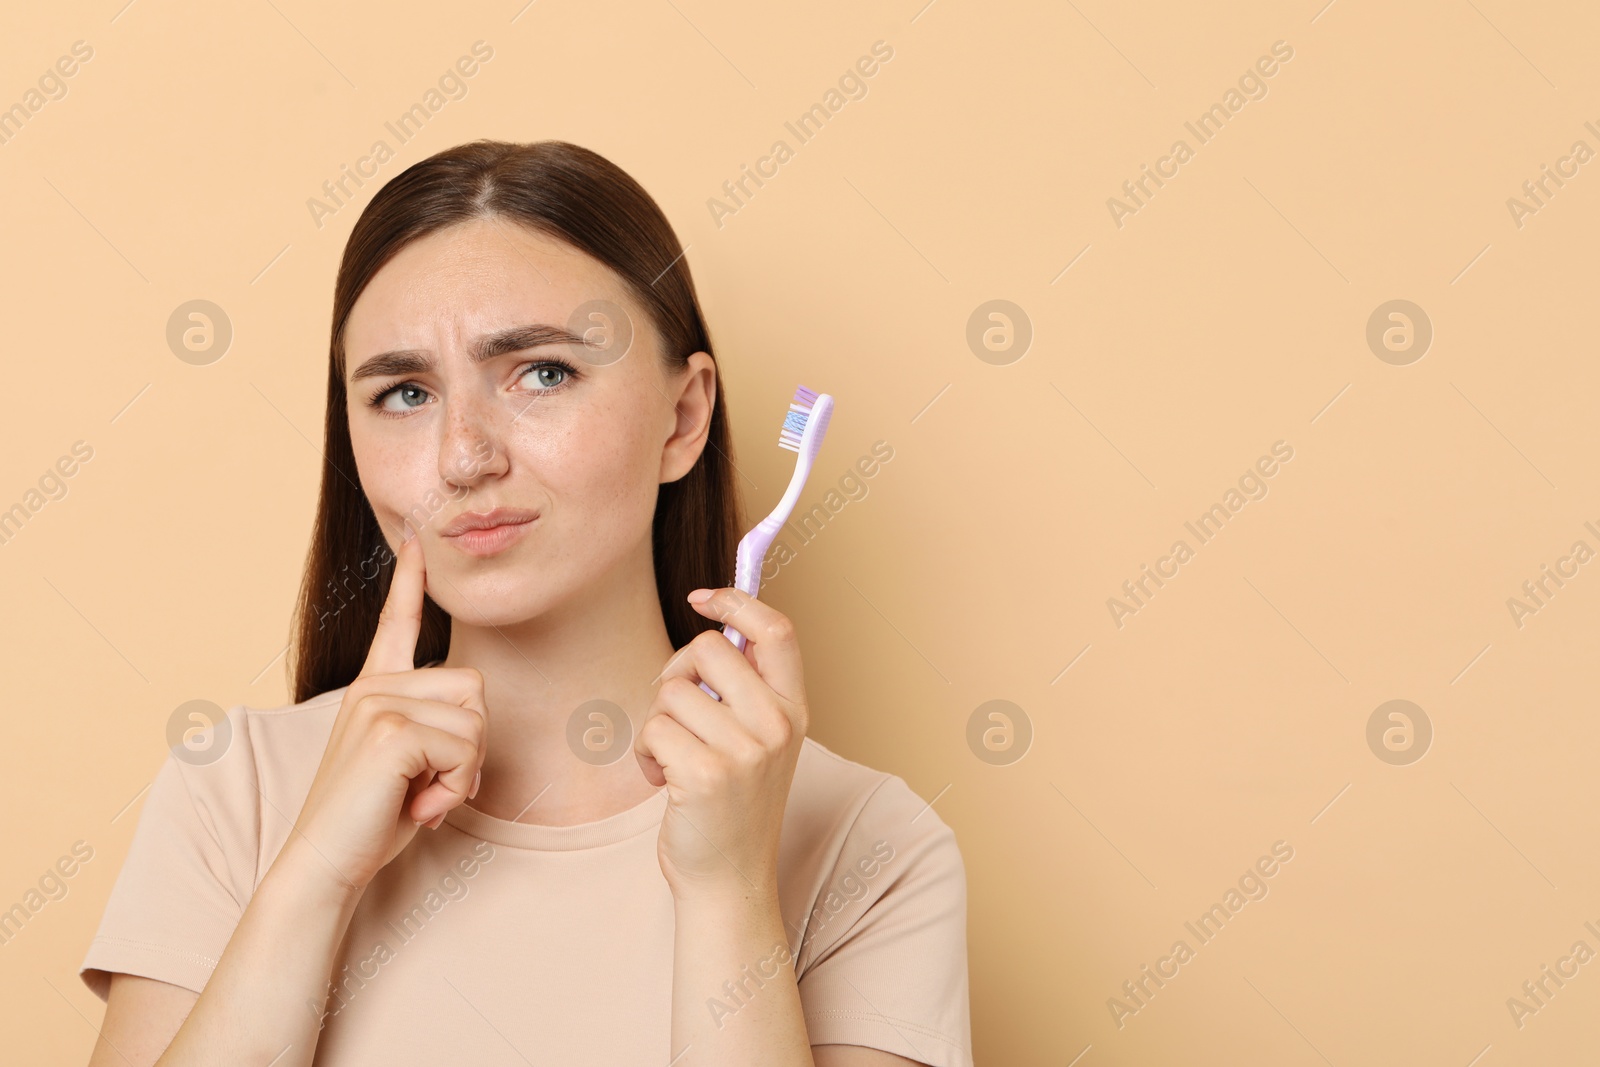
(470, 390)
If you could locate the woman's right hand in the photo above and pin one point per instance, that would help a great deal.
(406, 745)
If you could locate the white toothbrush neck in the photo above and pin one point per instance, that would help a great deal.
(753, 547)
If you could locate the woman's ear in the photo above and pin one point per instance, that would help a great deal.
(693, 391)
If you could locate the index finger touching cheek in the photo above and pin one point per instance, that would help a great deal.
(394, 644)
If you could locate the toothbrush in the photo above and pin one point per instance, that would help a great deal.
(803, 427)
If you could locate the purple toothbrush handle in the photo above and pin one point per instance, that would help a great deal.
(738, 642)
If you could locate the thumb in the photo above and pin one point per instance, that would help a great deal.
(394, 644)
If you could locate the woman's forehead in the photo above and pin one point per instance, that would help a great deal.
(473, 278)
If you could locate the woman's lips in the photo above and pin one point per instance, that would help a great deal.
(488, 541)
(483, 520)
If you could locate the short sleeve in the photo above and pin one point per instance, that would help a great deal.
(883, 961)
(190, 866)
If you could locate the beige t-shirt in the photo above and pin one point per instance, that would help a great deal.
(494, 942)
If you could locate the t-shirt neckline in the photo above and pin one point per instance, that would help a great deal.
(534, 836)
(538, 837)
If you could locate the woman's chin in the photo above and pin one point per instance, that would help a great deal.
(485, 600)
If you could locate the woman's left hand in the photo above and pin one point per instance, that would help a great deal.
(727, 766)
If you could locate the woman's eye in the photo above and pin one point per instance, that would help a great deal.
(406, 393)
(549, 375)
(407, 396)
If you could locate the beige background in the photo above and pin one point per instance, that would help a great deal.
(1228, 313)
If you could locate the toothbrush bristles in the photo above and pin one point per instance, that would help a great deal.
(794, 423)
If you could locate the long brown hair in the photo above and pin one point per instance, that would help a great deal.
(579, 197)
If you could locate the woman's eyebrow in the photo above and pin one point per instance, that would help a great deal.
(487, 347)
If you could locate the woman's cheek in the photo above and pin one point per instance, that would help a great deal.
(617, 484)
(383, 482)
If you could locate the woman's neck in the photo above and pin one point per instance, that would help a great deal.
(605, 643)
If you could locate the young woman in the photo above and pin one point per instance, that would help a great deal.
(547, 843)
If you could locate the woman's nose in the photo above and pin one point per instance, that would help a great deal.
(471, 448)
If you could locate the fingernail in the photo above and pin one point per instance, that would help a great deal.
(477, 779)
(433, 824)
(405, 531)
(700, 596)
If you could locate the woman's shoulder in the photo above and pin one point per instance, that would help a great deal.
(873, 885)
(269, 745)
(287, 740)
(825, 780)
(839, 808)
(247, 772)
(213, 818)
